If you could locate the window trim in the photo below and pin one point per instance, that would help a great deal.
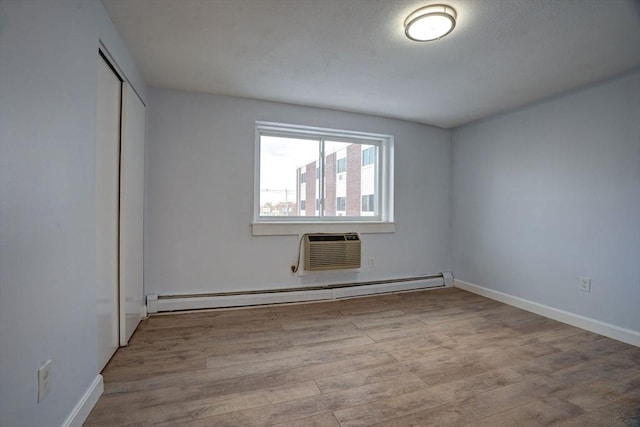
(384, 180)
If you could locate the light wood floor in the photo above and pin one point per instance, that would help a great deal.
(441, 357)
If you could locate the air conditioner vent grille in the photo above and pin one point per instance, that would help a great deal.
(331, 251)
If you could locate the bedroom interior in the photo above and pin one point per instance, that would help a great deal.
(494, 277)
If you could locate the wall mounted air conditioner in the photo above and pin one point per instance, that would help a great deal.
(329, 251)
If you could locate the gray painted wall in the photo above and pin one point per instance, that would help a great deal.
(552, 191)
(200, 197)
(48, 74)
(540, 196)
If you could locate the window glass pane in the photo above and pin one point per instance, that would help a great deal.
(368, 155)
(346, 178)
(368, 179)
(308, 174)
(335, 154)
(342, 165)
(287, 175)
(368, 204)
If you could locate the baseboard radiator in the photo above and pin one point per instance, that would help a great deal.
(165, 303)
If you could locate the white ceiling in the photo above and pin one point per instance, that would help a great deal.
(352, 55)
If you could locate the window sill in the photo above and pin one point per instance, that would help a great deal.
(298, 228)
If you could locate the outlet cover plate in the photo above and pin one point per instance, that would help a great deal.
(44, 380)
(584, 283)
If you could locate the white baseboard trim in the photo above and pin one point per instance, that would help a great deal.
(82, 409)
(157, 304)
(606, 329)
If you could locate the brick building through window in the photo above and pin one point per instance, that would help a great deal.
(349, 183)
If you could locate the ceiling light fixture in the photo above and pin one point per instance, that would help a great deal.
(430, 23)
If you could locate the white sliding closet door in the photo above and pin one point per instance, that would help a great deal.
(131, 212)
(107, 211)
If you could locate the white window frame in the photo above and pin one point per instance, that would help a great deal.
(380, 223)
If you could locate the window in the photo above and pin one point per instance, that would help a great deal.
(290, 159)
(368, 156)
(367, 203)
(342, 165)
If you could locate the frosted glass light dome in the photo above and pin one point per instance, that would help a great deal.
(430, 23)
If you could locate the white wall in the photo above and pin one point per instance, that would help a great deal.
(552, 191)
(48, 73)
(200, 197)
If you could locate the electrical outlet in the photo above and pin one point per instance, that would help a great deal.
(584, 283)
(44, 380)
(372, 262)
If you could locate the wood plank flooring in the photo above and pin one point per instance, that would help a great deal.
(432, 358)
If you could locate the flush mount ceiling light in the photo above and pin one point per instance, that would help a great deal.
(430, 23)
